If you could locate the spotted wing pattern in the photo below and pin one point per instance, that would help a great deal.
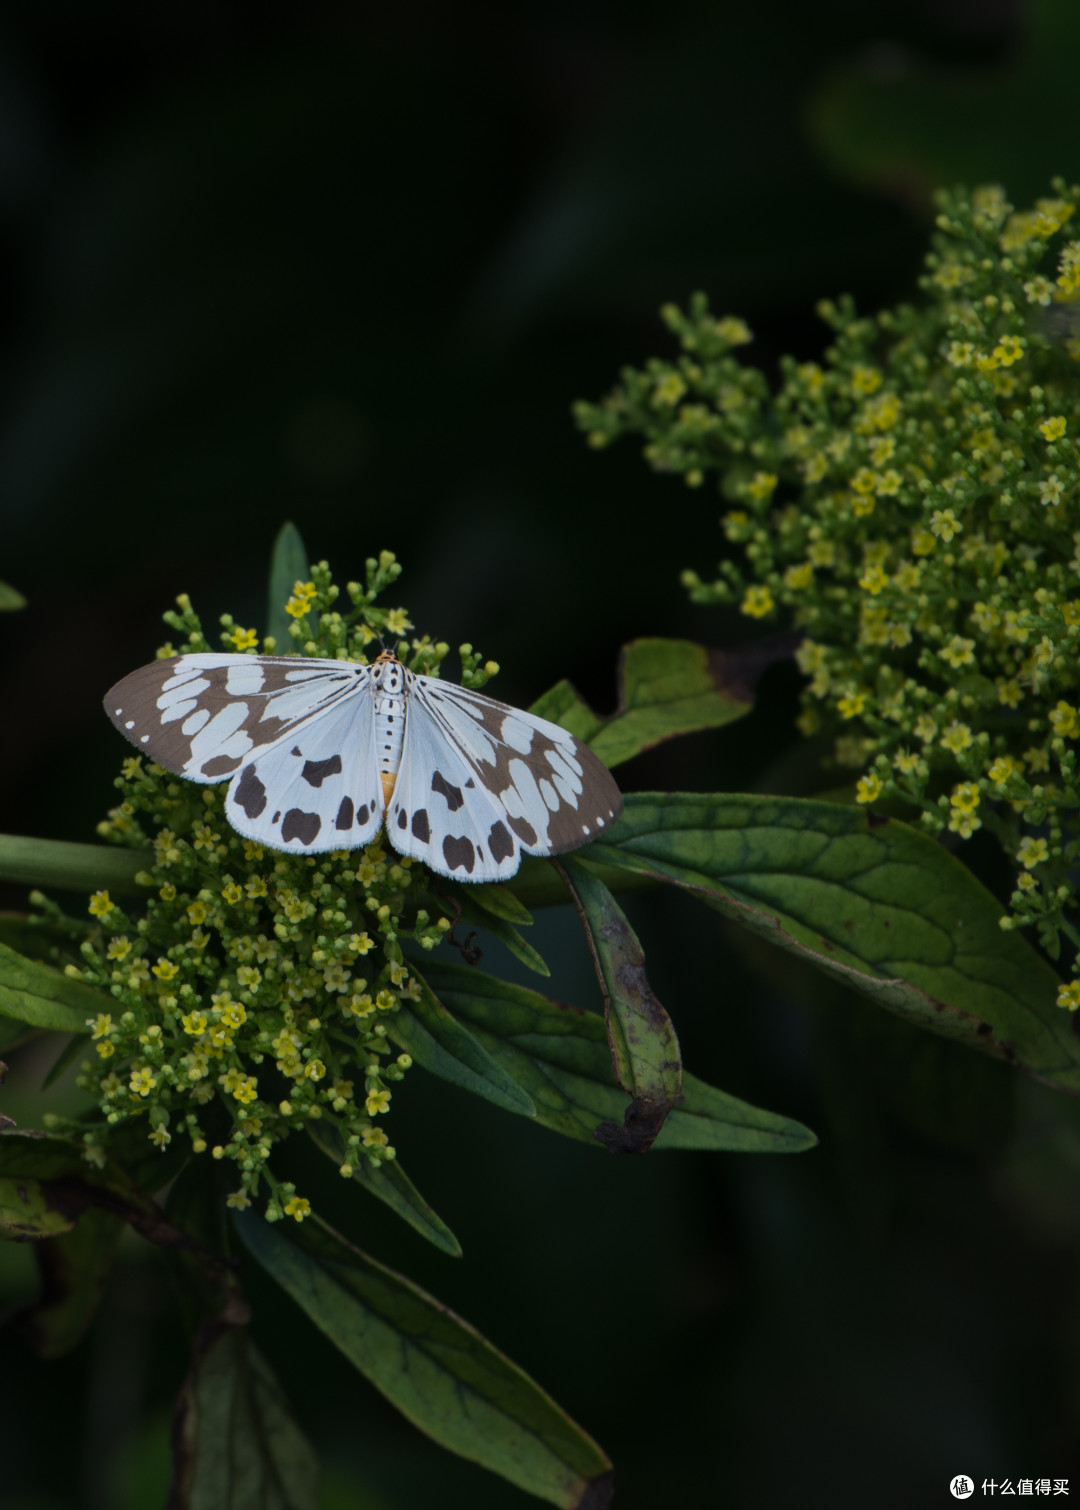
(481, 782)
(297, 737)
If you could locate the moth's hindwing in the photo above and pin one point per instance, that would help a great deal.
(318, 789)
(480, 782)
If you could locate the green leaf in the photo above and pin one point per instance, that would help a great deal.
(440, 1373)
(666, 688)
(73, 1269)
(496, 900)
(871, 901)
(288, 565)
(560, 1055)
(44, 997)
(505, 932)
(10, 598)
(443, 1047)
(72, 1051)
(236, 1444)
(564, 705)
(29, 1210)
(539, 884)
(72, 867)
(644, 1048)
(389, 1183)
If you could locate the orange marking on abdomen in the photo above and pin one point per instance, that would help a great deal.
(388, 783)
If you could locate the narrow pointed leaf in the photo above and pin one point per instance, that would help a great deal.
(44, 997)
(644, 1048)
(236, 1444)
(288, 565)
(560, 1055)
(443, 1047)
(440, 1373)
(506, 933)
(499, 902)
(868, 899)
(391, 1185)
(72, 867)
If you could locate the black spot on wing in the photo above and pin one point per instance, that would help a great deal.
(315, 772)
(250, 793)
(402, 818)
(458, 854)
(301, 825)
(221, 765)
(525, 831)
(344, 819)
(363, 812)
(453, 796)
(500, 842)
(470, 782)
(275, 818)
(296, 750)
(420, 826)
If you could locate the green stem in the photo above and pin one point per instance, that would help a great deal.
(538, 884)
(72, 867)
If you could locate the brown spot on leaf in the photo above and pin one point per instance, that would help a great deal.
(640, 1129)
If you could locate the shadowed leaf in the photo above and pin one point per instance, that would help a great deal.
(236, 1445)
(443, 1047)
(72, 867)
(10, 598)
(73, 1269)
(644, 1048)
(391, 1185)
(560, 1055)
(44, 997)
(440, 1373)
(875, 903)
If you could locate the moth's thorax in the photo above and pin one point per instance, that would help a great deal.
(391, 683)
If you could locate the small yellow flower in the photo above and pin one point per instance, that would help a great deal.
(865, 380)
(888, 484)
(300, 602)
(377, 1102)
(244, 639)
(105, 1049)
(874, 580)
(398, 622)
(960, 353)
(965, 797)
(799, 577)
(374, 1137)
(119, 948)
(1051, 491)
(297, 1206)
(1009, 350)
(239, 1200)
(1069, 996)
(161, 1136)
(944, 524)
(959, 652)
(852, 704)
(255, 887)
(252, 851)
(905, 762)
(165, 970)
(733, 330)
(669, 390)
(1065, 721)
(957, 737)
(963, 824)
(922, 542)
(101, 1025)
(1032, 852)
(205, 838)
(168, 892)
(1039, 291)
(232, 893)
(762, 486)
(1053, 428)
(1009, 692)
(1003, 769)
(100, 904)
(142, 1080)
(757, 603)
(864, 481)
(197, 912)
(868, 789)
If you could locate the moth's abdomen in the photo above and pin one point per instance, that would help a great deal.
(389, 738)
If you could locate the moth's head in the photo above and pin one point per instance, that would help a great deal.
(387, 672)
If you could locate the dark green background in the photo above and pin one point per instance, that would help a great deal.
(350, 266)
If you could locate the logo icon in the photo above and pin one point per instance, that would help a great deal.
(962, 1487)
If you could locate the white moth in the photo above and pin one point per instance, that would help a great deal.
(321, 754)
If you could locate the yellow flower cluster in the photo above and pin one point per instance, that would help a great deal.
(913, 503)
